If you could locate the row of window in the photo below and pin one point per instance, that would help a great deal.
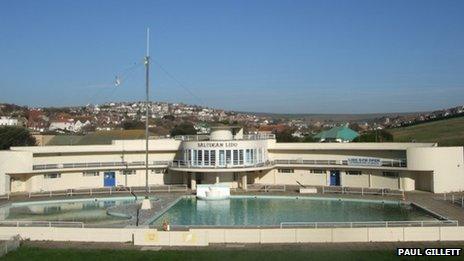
(97, 173)
(391, 174)
(224, 157)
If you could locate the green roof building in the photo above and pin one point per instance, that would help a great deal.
(337, 134)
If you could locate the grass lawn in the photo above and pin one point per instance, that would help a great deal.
(448, 132)
(34, 253)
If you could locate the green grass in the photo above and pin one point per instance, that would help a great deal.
(448, 132)
(32, 253)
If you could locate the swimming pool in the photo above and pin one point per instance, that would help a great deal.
(91, 211)
(271, 211)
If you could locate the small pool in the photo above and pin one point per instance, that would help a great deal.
(271, 211)
(89, 211)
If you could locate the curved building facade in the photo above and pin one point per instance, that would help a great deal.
(231, 157)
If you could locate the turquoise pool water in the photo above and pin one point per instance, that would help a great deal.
(89, 211)
(251, 211)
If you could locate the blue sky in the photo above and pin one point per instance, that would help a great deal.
(268, 56)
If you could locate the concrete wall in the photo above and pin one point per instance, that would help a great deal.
(446, 163)
(203, 237)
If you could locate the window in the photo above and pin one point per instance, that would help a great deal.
(391, 174)
(317, 171)
(353, 172)
(200, 157)
(206, 157)
(128, 172)
(240, 157)
(195, 162)
(221, 158)
(213, 158)
(158, 171)
(247, 156)
(235, 156)
(228, 157)
(91, 174)
(52, 176)
(285, 170)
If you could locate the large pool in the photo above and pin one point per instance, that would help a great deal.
(271, 211)
(89, 211)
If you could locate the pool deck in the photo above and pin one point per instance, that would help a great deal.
(427, 200)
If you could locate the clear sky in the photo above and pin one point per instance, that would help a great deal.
(267, 56)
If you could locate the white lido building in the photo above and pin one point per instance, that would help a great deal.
(230, 157)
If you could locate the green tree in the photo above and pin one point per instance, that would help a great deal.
(285, 136)
(375, 136)
(133, 125)
(15, 136)
(185, 128)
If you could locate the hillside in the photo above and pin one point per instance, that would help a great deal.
(449, 132)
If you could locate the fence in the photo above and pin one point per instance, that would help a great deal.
(454, 199)
(37, 223)
(110, 191)
(265, 188)
(425, 223)
(362, 191)
(9, 245)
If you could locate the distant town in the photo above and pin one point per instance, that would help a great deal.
(164, 117)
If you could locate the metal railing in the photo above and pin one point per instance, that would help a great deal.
(399, 163)
(97, 165)
(453, 199)
(9, 244)
(36, 223)
(110, 191)
(188, 164)
(362, 191)
(419, 223)
(265, 188)
(263, 136)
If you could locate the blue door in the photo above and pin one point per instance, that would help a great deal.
(109, 179)
(334, 178)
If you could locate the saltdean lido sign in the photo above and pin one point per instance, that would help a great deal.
(365, 162)
(217, 144)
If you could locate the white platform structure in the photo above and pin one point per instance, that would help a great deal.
(213, 191)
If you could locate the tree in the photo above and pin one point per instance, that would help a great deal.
(285, 136)
(133, 125)
(185, 128)
(15, 136)
(375, 136)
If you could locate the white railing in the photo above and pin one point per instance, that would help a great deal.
(265, 136)
(398, 163)
(5, 196)
(454, 199)
(36, 223)
(419, 223)
(362, 191)
(110, 191)
(265, 188)
(97, 165)
(239, 165)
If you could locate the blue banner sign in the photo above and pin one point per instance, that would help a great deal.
(365, 162)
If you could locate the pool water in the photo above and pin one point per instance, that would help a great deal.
(89, 211)
(261, 211)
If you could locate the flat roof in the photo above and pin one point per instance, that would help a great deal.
(347, 146)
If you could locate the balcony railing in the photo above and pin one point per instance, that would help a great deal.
(188, 164)
(398, 163)
(265, 136)
(395, 163)
(97, 165)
